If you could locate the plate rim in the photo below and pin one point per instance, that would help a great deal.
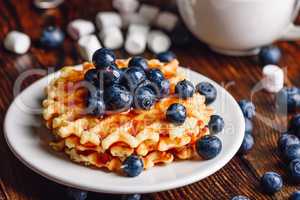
(187, 180)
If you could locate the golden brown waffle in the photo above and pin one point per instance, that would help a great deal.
(106, 142)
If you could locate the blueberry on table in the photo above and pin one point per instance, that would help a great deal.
(117, 98)
(110, 75)
(247, 143)
(138, 61)
(144, 98)
(75, 194)
(247, 108)
(294, 169)
(288, 98)
(176, 113)
(208, 147)
(103, 58)
(269, 55)
(248, 126)
(271, 182)
(292, 152)
(286, 140)
(215, 124)
(133, 166)
(133, 76)
(92, 76)
(155, 75)
(240, 197)
(166, 56)
(52, 37)
(132, 197)
(294, 126)
(295, 196)
(208, 90)
(184, 89)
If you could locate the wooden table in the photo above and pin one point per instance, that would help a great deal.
(240, 176)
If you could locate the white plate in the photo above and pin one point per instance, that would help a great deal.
(28, 138)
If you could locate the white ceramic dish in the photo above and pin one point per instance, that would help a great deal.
(27, 138)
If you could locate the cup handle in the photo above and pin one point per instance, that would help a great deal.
(292, 32)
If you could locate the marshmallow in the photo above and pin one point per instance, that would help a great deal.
(107, 19)
(133, 18)
(148, 12)
(88, 44)
(273, 78)
(79, 28)
(166, 21)
(112, 37)
(125, 6)
(158, 41)
(17, 42)
(136, 39)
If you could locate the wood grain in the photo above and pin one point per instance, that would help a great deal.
(238, 75)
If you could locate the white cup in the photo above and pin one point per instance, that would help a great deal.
(240, 27)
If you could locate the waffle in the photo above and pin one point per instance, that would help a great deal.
(106, 142)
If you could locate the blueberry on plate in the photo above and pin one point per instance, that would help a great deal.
(292, 152)
(133, 166)
(138, 61)
(208, 90)
(215, 124)
(208, 147)
(132, 197)
(247, 144)
(295, 196)
(271, 182)
(248, 126)
(75, 194)
(110, 75)
(176, 113)
(92, 76)
(96, 105)
(144, 98)
(133, 76)
(247, 108)
(166, 56)
(286, 140)
(294, 126)
(294, 169)
(288, 98)
(184, 89)
(117, 98)
(52, 37)
(164, 88)
(269, 55)
(240, 197)
(103, 58)
(155, 75)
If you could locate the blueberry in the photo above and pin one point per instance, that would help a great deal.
(92, 77)
(166, 56)
(75, 194)
(215, 124)
(247, 144)
(96, 104)
(288, 97)
(295, 196)
(103, 58)
(294, 125)
(138, 61)
(52, 37)
(248, 126)
(269, 55)
(155, 75)
(110, 75)
(133, 166)
(176, 113)
(240, 197)
(117, 97)
(208, 147)
(144, 98)
(208, 90)
(294, 169)
(247, 108)
(133, 76)
(271, 182)
(292, 152)
(184, 89)
(132, 197)
(164, 88)
(286, 140)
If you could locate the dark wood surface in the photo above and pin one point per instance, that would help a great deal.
(240, 176)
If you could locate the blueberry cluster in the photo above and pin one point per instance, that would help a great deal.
(288, 99)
